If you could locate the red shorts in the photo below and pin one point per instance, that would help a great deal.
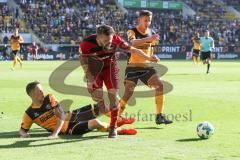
(34, 53)
(109, 76)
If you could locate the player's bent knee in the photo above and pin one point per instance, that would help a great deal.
(129, 89)
(128, 95)
(102, 107)
(157, 84)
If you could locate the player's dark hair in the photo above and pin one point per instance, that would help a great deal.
(105, 30)
(30, 86)
(145, 13)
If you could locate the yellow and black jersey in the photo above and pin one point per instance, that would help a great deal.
(15, 42)
(44, 116)
(146, 47)
(196, 43)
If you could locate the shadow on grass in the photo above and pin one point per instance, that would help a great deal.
(190, 140)
(149, 128)
(26, 143)
(40, 135)
(180, 74)
(36, 132)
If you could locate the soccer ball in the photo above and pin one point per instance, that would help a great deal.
(205, 130)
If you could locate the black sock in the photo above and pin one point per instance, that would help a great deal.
(208, 67)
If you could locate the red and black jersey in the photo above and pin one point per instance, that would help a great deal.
(90, 47)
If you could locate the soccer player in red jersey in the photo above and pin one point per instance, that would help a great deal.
(98, 60)
(34, 49)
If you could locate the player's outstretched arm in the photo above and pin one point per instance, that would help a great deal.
(139, 52)
(84, 62)
(83, 59)
(25, 126)
(61, 117)
(137, 42)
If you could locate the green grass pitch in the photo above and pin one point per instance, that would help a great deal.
(195, 97)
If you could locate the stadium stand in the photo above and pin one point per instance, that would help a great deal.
(7, 21)
(67, 22)
(233, 3)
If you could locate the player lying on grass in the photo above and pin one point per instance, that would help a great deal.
(47, 112)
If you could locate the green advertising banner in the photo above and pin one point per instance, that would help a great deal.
(175, 5)
(151, 4)
(155, 4)
(132, 3)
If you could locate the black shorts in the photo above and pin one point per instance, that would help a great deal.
(205, 55)
(143, 73)
(15, 52)
(196, 52)
(78, 124)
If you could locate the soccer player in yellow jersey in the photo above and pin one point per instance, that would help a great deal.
(47, 112)
(142, 37)
(15, 41)
(196, 48)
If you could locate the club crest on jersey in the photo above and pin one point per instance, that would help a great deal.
(36, 114)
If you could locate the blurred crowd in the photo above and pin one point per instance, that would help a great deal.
(69, 21)
(66, 21)
(174, 28)
(8, 18)
(207, 8)
(233, 3)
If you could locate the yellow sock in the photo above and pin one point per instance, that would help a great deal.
(194, 60)
(159, 103)
(122, 106)
(104, 128)
(19, 60)
(14, 61)
(198, 60)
